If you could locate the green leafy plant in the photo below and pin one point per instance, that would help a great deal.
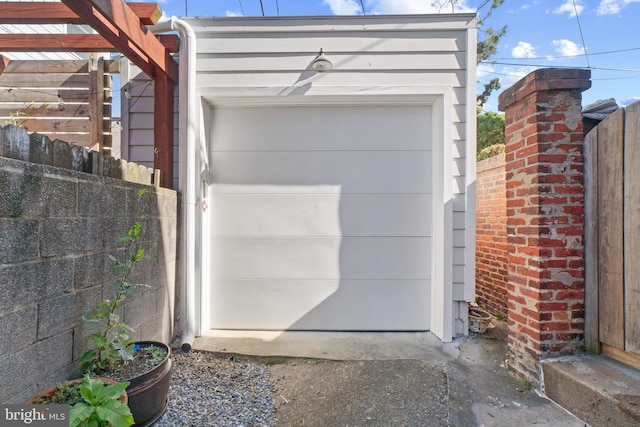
(112, 341)
(101, 406)
(65, 393)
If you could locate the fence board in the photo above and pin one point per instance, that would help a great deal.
(57, 66)
(54, 80)
(43, 95)
(44, 110)
(632, 228)
(611, 223)
(591, 340)
(48, 126)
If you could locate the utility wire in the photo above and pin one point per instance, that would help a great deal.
(262, 7)
(608, 52)
(633, 70)
(241, 8)
(364, 12)
(586, 55)
(277, 8)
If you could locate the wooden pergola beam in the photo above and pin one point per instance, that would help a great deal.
(120, 29)
(70, 43)
(59, 13)
(4, 63)
(117, 23)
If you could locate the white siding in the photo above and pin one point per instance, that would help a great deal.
(271, 57)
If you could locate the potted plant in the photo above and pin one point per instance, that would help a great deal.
(145, 365)
(96, 402)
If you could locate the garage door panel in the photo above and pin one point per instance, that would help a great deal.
(338, 172)
(321, 304)
(321, 215)
(327, 131)
(403, 258)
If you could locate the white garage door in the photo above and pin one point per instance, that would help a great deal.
(321, 218)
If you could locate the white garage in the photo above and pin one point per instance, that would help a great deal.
(321, 217)
(331, 200)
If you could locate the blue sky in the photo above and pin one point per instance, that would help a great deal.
(598, 34)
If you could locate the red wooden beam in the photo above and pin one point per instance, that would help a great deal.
(70, 43)
(4, 62)
(163, 128)
(117, 23)
(54, 43)
(59, 13)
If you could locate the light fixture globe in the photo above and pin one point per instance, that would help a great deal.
(321, 63)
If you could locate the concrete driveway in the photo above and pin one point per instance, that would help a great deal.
(392, 379)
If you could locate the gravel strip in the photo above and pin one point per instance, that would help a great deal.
(213, 390)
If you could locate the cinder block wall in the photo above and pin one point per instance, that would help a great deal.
(491, 235)
(57, 227)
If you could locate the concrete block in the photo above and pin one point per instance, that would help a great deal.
(18, 240)
(92, 270)
(18, 329)
(80, 159)
(31, 283)
(62, 155)
(100, 198)
(140, 305)
(63, 313)
(71, 236)
(601, 391)
(16, 143)
(31, 368)
(167, 202)
(41, 149)
(26, 191)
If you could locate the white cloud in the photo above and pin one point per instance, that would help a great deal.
(396, 7)
(343, 7)
(612, 7)
(568, 8)
(566, 47)
(523, 50)
(629, 101)
(529, 5)
(232, 13)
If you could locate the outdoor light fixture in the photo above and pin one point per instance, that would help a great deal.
(321, 63)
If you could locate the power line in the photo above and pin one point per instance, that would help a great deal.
(633, 70)
(241, 8)
(277, 8)
(262, 7)
(584, 46)
(364, 12)
(608, 52)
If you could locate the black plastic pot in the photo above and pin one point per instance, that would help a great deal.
(148, 393)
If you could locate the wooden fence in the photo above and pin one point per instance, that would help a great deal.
(68, 100)
(612, 236)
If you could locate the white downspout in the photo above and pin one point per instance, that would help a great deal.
(188, 123)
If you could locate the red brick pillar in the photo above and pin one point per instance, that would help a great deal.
(545, 216)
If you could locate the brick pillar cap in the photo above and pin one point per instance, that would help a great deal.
(545, 79)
